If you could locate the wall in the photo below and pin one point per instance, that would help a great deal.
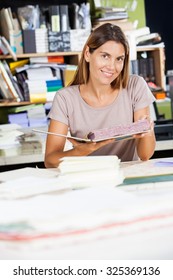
(159, 17)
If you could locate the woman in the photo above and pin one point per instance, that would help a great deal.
(101, 95)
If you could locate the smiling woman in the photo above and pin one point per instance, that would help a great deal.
(101, 95)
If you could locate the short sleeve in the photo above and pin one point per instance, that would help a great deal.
(59, 110)
(140, 93)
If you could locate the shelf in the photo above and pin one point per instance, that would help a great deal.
(158, 54)
(26, 55)
(15, 103)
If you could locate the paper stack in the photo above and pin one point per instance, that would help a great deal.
(92, 171)
(9, 143)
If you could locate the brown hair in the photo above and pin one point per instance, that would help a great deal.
(99, 36)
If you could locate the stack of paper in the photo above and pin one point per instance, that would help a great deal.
(31, 144)
(9, 143)
(37, 116)
(41, 40)
(43, 82)
(98, 171)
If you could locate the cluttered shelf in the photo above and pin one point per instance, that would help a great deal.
(155, 56)
(75, 56)
(55, 70)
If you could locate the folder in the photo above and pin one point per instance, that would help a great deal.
(29, 41)
(54, 18)
(64, 18)
(16, 41)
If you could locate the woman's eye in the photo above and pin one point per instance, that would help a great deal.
(120, 59)
(105, 56)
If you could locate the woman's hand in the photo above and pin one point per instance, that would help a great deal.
(147, 133)
(145, 142)
(88, 147)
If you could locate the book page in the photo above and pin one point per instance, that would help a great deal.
(117, 138)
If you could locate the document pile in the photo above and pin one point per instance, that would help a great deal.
(9, 143)
(101, 171)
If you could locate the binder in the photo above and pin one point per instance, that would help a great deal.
(55, 41)
(29, 41)
(54, 18)
(64, 18)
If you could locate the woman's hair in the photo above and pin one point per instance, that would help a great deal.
(98, 37)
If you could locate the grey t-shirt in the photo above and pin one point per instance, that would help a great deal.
(69, 108)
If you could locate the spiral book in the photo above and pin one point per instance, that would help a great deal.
(117, 138)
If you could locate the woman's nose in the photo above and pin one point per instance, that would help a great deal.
(111, 63)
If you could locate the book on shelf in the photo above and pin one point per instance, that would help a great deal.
(73, 15)
(68, 74)
(5, 92)
(151, 70)
(134, 66)
(59, 41)
(14, 94)
(54, 14)
(28, 115)
(136, 33)
(125, 25)
(40, 82)
(160, 94)
(143, 67)
(29, 42)
(21, 79)
(13, 80)
(113, 17)
(18, 118)
(3, 49)
(147, 39)
(47, 59)
(10, 30)
(110, 13)
(14, 64)
(6, 16)
(41, 40)
(64, 18)
(6, 48)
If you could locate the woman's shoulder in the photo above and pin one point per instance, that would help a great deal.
(69, 89)
(133, 78)
(136, 83)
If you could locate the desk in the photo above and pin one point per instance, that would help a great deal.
(26, 159)
(164, 145)
(124, 222)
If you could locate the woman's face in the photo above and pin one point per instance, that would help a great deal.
(106, 62)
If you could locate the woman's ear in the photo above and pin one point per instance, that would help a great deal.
(87, 54)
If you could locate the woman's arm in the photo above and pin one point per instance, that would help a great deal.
(55, 145)
(145, 143)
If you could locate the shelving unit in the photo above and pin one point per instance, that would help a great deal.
(158, 54)
(69, 57)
